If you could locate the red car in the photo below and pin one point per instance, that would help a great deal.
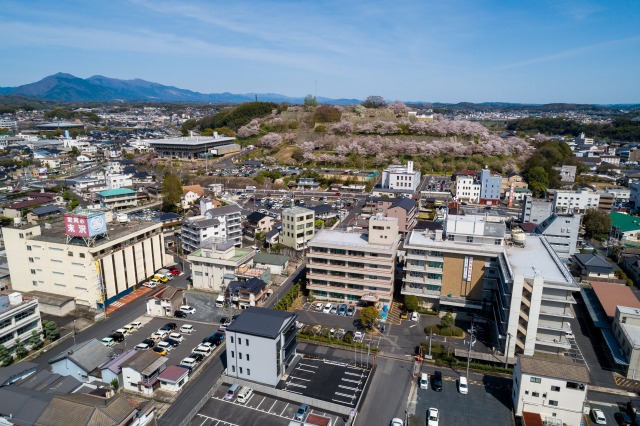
(175, 271)
(337, 194)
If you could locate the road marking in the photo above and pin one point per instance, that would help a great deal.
(263, 398)
(298, 378)
(606, 404)
(213, 419)
(308, 365)
(348, 387)
(296, 385)
(274, 403)
(285, 407)
(306, 371)
(345, 394)
(351, 381)
(353, 374)
(342, 402)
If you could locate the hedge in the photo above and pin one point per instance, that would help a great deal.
(287, 300)
(440, 355)
(340, 342)
(444, 331)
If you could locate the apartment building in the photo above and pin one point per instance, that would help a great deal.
(214, 264)
(19, 317)
(222, 223)
(94, 269)
(467, 189)
(551, 391)
(490, 186)
(298, 227)
(575, 201)
(401, 177)
(402, 208)
(349, 267)
(535, 210)
(260, 345)
(626, 329)
(567, 173)
(517, 283)
(561, 232)
(118, 198)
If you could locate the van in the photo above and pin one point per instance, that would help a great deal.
(136, 324)
(244, 394)
(166, 272)
(108, 341)
(463, 386)
(424, 381)
(202, 350)
(189, 363)
(129, 328)
(186, 329)
(232, 392)
(220, 301)
(161, 278)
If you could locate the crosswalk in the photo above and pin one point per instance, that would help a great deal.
(627, 383)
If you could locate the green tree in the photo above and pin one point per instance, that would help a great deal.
(75, 152)
(35, 341)
(50, 330)
(374, 102)
(447, 320)
(369, 315)
(411, 302)
(20, 349)
(538, 180)
(5, 356)
(310, 101)
(171, 192)
(597, 223)
(319, 223)
(188, 125)
(115, 383)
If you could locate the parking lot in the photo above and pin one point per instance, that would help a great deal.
(308, 315)
(206, 310)
(609, 404)
(326, 380)
(488, 402)
(176, 354)
(259, 410)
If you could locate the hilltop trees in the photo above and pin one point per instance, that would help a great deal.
(374, 102)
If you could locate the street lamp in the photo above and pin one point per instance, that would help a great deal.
(471, 336)
(506, 350)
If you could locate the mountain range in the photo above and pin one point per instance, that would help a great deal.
(63, 87)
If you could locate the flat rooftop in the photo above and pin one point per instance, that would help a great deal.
(612, 295)
(537, 257)
(56, 234)
(193, 141)
(348, 239)
(428, 240)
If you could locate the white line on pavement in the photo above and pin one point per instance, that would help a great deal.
(263, 398)
(285, 407)
(344, 394)
(296, 385)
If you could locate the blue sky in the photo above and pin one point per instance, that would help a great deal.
(580, 51)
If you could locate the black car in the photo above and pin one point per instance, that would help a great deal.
(622, 418)
(149, 342)
(170, 326)
(197, 357)
(172, 342)
(118, 337)
(225, 321)
(180, 314)
(437, 381)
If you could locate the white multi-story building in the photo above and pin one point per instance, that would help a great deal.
(117, 181)
(12, 125)
(90, 270)
(520, 286)
(401, 177)
(553, 389)
(211, 263)
(348, 267)
(622, 195)
(260, 345)
(298, 227)
(467, 188)
(222, 223)
(19, 317)
(575, 201)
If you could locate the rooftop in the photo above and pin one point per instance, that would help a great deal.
(555, 368)
(116, 192)
(537, 257)
(625, 222)
(85, 409)
(87, 355)
(145, 362)
(172, 374)
(192, 141)
(261, 322)
(296, 211)
(270, 259)
(348, 239)
(612, 295)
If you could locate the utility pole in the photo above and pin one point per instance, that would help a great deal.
(506, 350)
(471, 336)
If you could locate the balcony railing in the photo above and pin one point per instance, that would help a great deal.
(567, 299)
(420, 292)
(556, 343)
(556, 314)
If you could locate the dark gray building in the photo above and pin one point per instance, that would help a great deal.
(260, 345)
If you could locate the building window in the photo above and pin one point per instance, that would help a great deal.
(82, 255)
(469, 239)
(552, 402)
(239, 355)
(555, 388)
(33, 271)
(231, 339)
(233, 368)
(247, 357)
(233, 354)
(246, 342)
(535, 394)
(536, 380)
(248, 371)
(240, 370)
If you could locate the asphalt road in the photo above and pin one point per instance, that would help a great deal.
(195, 391)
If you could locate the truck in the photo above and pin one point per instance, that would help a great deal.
(250, 188)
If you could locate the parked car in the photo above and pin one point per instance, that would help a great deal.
(232, 392)
(188, 309)
(150, 284)
(437, 381)
(160, 351)
(108, 341)
(118, 337)
(186, 329)
(188, 363)
(404, 314)
(159, 335)
(176, 271)
(225, 321)
(170, 326)
(318, 307)
(397, 422)
(180, 314)
(622, 418)
(334, 309)
(415, 316)
(433, 417)
(327, 308)
(176, 336)
(165, 345)
(198, 357)
(598, 416)
(350, 311)
(342, 310)
(358, 336)
(302, 412)
(463, 385)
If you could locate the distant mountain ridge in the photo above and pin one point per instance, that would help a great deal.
(62, 87)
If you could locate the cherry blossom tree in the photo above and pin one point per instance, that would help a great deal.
(270, 140)
(399, 108)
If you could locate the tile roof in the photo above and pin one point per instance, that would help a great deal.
(256, 217)
(47, 210)
(87, 355)
(193, 188)
(593, 262)
(560, 368)
(15, 371)
(612, 295)
(145, 362)
(218, 211)
(116, 363)
(29, 203)
(86, 410)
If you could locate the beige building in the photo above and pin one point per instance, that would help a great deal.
(349, 267)
(47, 260)
(215, 264)
(297, 227)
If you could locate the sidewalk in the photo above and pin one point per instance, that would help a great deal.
(139, 292)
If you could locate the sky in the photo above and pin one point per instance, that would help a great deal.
(525, 51)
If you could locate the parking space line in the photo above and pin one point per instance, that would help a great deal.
(296, 385)
(345, 394)
(282, 412)
(263, 398)
(351, 381)
(347, 387)
(274, 403)
(216, 420)
(298, 378)
(306, 371)
(308, 365)
(342, 402)
(353, 374)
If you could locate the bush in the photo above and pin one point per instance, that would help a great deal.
(325, 339)
(440, 354)
(411, 302)
(427, 312)
(444, 331)
(287, 300)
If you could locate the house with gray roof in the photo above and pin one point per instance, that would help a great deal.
(276, 263)
(112, 369)
(17, 371)
(82, 360)
(140, 372)
(589, 265)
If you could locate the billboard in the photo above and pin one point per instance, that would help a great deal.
(85, 225)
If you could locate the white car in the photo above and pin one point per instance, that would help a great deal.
(415, 316)
(463, 385)
(176, 336)
(188, 309)
(397, 422)
(358, 336)
(433, 417)
(318, 307)
(151, 284)
(598, 416)
(327, 308)
(186, 329)
(164, 345)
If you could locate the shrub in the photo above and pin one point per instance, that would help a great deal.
(444, 331)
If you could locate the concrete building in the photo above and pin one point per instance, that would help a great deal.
(467, 189)
(117, 181)
(517, 283)
(552, 390)
(257, 222)
(567, 173)
(164, 302)
(190, 147)
(561, 231)
(518, 195)
(140, 372)
(82, 360)
(626, 329)
(402, 208)
(118, 198)
(191, 194)
(276, 263)
(349, 267)
(575, 201)
(582, 140)
(19, 317)
(297, 227)
(625, 228)
(490, 186)
(622, 195)
(512, 180)
(173, 378)
(260, 345)
(401, 177)
(222, 223)
(93, 270)
(214, 265)
(606, 202)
